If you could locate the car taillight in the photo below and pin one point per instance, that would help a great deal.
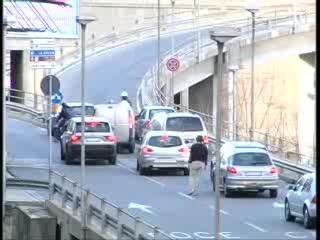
(110, 137)
(273, 170)
(206, 139)
(314, 199)
(232, 170)
(74, 138)
(184, 150)
(130, 120)
(146, 150)
(146, 123)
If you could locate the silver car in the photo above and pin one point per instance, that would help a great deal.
(145, 116)
(246, 166)
(161, 149)
(100, 141)
(301, 200)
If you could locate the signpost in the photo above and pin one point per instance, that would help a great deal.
(172, 65)
(43, 58)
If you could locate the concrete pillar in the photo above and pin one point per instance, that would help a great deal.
(185, 99)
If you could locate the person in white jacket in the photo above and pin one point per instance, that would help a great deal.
(124, 97)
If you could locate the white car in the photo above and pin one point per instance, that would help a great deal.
(121, 117)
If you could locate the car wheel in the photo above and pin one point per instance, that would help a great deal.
(186, 171)
(62, 153)
(227, 192)
(213, 182)
(113, 160)
(132, 147)
(142, 171)
(306, 218)
(287, 212)
(137, 165)
(273, 193)
(118, 148)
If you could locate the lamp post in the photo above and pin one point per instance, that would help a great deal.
(158, 48)
(7, 20)
(232, 101)
(83, 21)
(252, 7)
(220, 36)
(171, 93)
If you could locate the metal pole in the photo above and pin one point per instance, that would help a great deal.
(82, 179)
(4, 150)
(218, 140)
(198, 30)
(171, 102)
(158, 49)
(252, 77)
(50, 133)
(234, 106)
(230, 105)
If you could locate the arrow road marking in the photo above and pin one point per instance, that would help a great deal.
(144, 208)
(278, 205)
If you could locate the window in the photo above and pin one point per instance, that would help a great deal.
(155, 125)
(94, 127)
(171, 141)
(76, 111)
(155, 111)
(143, 114)
(251, 159)
(184, 124)
(300, 183)
(70, 126)
(307, 185)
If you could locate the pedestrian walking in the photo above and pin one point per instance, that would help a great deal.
(197, 163)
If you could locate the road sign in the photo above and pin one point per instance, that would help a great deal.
(43, 58)
(173, 64)
(45, 85)
(57, 98)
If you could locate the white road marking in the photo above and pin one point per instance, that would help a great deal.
(155, 181)
(185, 195)
(144, 208)
(43, 129)
(255, 227)
(125, 167)
(221, 211)
(278, 205)
(293, 235)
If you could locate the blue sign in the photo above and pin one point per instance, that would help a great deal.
(57, 98)
(42, 53)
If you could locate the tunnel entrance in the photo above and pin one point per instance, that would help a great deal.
(16, 75)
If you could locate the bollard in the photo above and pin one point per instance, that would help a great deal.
(75, 204)
(137, 220)
(156, 233)
(119, 225)
(103, 218)
(64, 192)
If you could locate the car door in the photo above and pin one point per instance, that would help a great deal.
(304, 194)
(223, 167)
(66, 135)
(295, 196)
(140, 122)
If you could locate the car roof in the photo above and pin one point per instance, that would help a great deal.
(158, 107)
(313, 175)
(98, 119)
(160, 133)
(78, 104)
(245, 144)
(230, 148)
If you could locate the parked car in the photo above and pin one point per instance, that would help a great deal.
(161, 149)
(246, 166)
(301, 200)
(145, 116)
(100, 141)
(121, 117)
(188, 124)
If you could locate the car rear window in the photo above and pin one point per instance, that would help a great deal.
(184, 124)
(94, 127)
(76, 111)
(251, 159)
(170, 141)
(155, 111)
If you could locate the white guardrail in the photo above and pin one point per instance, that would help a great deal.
(149, 92)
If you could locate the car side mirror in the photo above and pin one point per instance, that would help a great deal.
(136, 118)
(291, 187)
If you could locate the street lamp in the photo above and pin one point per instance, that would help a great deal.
(7, 21)
(252, 7)
(220, 36)
(83, 21)
(171, 93)
(232, 101)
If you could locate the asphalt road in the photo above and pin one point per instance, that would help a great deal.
(245, 216)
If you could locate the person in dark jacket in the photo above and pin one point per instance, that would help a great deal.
(197, 163)
(64, 115)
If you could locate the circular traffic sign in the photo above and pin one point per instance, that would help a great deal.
(45, 85)
(173, 64)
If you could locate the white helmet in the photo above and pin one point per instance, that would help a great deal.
(124, 94)
(111, 101)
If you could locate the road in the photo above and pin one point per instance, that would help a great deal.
(245, 216)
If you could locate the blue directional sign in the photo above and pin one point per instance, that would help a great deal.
(57, 98)
(42, 53)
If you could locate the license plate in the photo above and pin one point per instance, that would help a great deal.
(92, 140)
(253, 173)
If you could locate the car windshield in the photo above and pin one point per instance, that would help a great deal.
(155, 111)
(184, 124)
(76, 111)
(251, 159)
(168, 141)
(94, 127)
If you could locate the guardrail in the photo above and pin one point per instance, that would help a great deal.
(100, 213)
(149, 93)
